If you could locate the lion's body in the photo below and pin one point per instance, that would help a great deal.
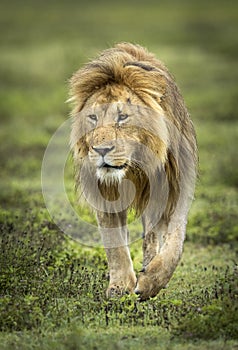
(131, 126)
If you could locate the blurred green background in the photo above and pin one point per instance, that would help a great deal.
(42, 44)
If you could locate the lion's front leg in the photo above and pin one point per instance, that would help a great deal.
(122, 275)
(159, 270)
(115, 239)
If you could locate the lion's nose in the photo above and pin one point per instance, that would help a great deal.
(103, 151)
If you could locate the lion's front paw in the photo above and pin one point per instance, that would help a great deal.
(120, 286)
(154, 278)
(147, 286)
(114, 291)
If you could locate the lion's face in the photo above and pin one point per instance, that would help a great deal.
(111, 140)
(116, 138)
(110, 153)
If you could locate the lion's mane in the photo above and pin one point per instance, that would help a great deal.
(131, 67)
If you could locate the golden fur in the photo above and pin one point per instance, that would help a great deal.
(130, 123)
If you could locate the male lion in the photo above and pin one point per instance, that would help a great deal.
(134, 147)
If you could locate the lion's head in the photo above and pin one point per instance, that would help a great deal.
(128, 121)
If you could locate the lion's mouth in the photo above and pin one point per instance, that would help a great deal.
(110, 174)
(108, 166)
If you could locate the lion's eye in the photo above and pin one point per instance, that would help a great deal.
(93, 117)
(122, 117)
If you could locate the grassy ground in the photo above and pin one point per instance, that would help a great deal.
(51, 288)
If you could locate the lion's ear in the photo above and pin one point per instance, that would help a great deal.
(146, 80)
(141, 65)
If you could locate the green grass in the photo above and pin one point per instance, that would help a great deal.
(52, 289)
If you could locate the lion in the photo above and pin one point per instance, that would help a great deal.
(134, 146)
